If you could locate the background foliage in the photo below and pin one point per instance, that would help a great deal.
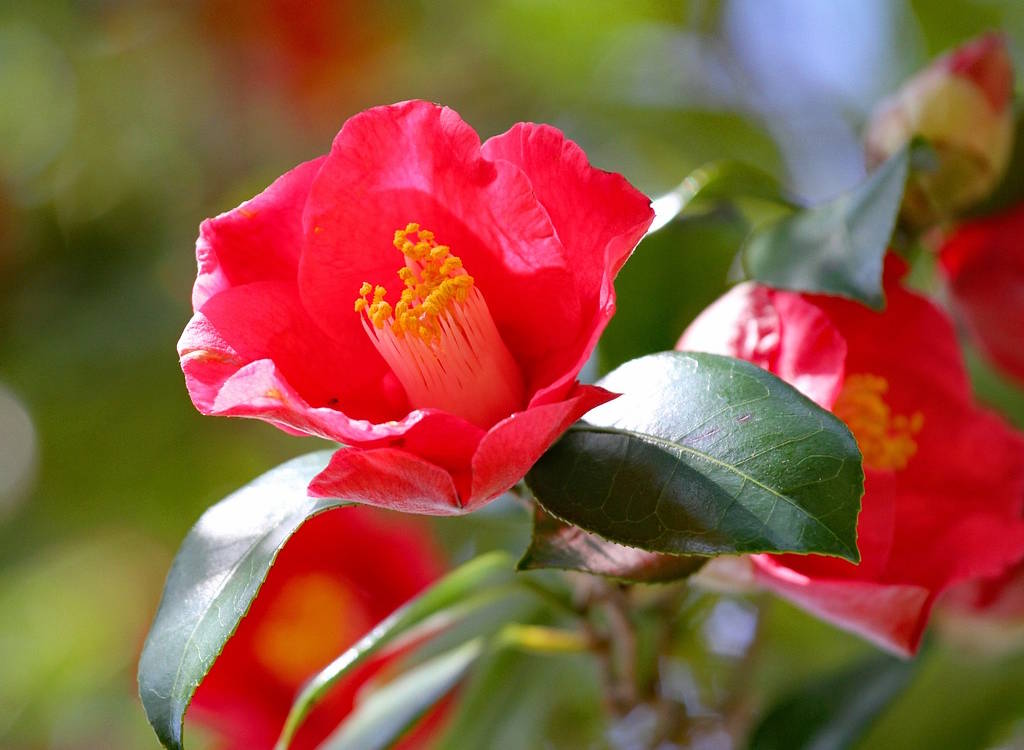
(123, 124)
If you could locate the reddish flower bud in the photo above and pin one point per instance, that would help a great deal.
(340, 574)
(944, 479)
(961, 105)
(983, 262)
(444, 391)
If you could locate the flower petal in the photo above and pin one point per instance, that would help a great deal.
(259, 240)
(513, 445)
(388, 478)
(892, 616)
(983, 262)
(399, 479)
(599, 218)
(265, 321)
(779, 331)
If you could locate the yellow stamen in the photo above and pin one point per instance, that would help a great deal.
(439, 337)
(434, 279)
(886, 440)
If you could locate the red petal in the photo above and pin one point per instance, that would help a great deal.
(599, 218)
(259, 240)
(513, 445)
(987, 63)
(397, 479)
(983, 262)
(253, 351)
(892, 616)
(779, 331)
(388, 478)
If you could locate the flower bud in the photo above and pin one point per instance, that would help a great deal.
(960, 104)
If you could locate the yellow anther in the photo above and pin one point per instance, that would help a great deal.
(433, 280)
(450, 265)
(885, 440)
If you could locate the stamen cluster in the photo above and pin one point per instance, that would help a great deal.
(439, 338)
(885, 440)
(433, 279)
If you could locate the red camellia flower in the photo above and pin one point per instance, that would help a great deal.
(310, 51)
(983, 262)
(336, 578)
(944, 485)
(444, 390)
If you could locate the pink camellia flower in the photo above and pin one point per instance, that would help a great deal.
(983, 262)
(443, 395)
(944, 479)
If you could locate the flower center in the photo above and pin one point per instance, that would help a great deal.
(885, 440)
(439, 338)
(312, 620)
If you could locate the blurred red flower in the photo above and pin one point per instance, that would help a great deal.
(445, 395)
(983, 262)
(308, 51)
(944, 492)
(340, 574)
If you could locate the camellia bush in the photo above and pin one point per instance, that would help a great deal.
(431, 304)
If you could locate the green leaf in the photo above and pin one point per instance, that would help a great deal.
(674, 274)
(834, 712)
(381, 718)
(682, 264)
(717, 181)
(835, 247)
(560, 708)
(706, 455)
(214, 578)
(566, 547)
(476, 583)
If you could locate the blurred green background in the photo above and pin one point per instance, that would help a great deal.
(124, 124)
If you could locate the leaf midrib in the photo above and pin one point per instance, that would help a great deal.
(670, 446)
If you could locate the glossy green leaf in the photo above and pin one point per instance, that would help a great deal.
(834, 712)
(383, 716)
(214, 578)
(706, 455)
(567, 547)
(474, 584)
(835, 247)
